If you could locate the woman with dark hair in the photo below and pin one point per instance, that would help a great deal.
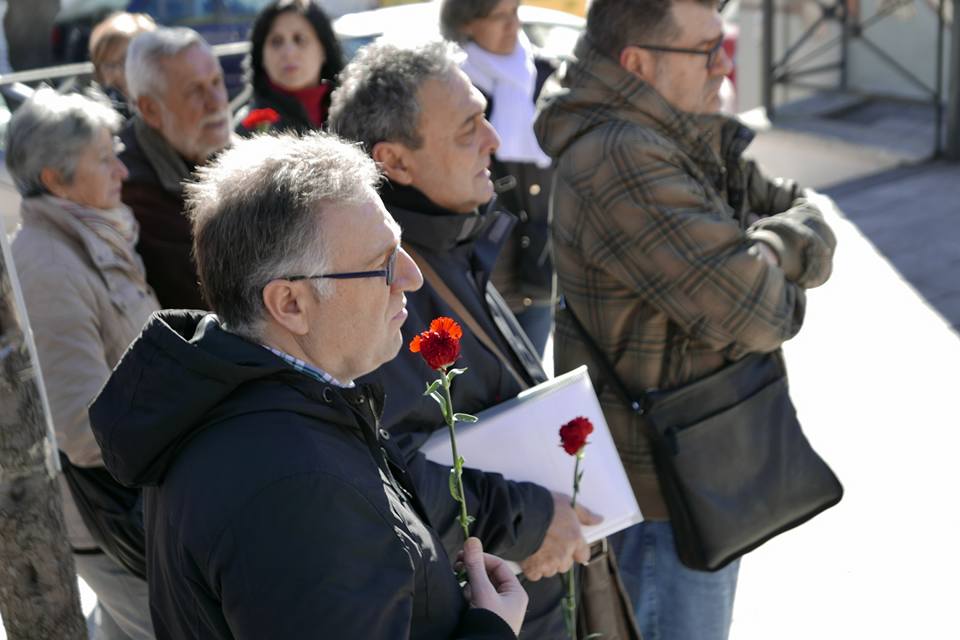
(502, 63)
(292, 68)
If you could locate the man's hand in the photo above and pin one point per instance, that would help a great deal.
(491, 585)
(769, 255)
(564, 544)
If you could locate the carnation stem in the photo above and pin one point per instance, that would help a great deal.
(457, 462)
(570, 600)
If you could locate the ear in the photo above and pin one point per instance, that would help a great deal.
(52, 181)
(639, 62)
(285, 303)
(394, 161)
(149, 108)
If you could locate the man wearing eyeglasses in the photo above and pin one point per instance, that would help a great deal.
(274, 505)
(676, 254)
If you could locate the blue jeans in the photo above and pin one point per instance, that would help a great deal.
(671, 601)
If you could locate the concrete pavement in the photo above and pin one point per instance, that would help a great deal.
(874, 374)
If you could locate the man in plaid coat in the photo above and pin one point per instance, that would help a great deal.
(676, 253)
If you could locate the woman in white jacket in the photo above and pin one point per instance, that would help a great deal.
(503, 64)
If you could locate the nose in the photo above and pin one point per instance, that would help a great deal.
(408, 277)
(121, 170)
(287, 47)
(724, 64)
(492, 141)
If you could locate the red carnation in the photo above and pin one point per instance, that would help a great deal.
(573, 435)
(439, 345)
(260, 119)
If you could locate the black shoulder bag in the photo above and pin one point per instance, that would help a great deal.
(112, 512)
(733, 463)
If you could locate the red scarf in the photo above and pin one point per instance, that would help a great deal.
(313, 99)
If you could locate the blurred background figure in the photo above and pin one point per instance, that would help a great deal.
(292, 67)
(501, 62)
(87, 298)
(108, 53)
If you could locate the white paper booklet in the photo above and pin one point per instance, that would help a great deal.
(520, 439)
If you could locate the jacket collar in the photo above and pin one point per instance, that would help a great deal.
(594, 79)
(170, 166)
(184, 372)
(438, 230)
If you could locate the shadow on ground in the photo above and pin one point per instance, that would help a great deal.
(912, 216)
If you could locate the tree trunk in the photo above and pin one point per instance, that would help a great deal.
(28, 25)
(38, 583)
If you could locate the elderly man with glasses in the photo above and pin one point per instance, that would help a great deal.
(676, 254)
(274, 505)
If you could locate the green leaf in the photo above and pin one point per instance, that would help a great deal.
(470, 520)
(464, 417)
(462, 461)
(431, 388)
(453, 373)
(436, 395)
(454, 490)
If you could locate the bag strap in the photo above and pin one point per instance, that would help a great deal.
(431, 276)
(637, 405)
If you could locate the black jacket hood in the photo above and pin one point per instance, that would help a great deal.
(184, 372)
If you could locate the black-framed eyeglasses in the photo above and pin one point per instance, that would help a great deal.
(387, 273)
(712, 53)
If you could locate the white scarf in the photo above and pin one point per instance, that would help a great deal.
(510, 81)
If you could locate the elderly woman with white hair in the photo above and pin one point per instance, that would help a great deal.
(87, 299)
(503, 64)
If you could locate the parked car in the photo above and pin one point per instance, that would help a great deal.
(554, 32)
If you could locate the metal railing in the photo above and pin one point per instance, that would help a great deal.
(69, 72)
(795, 70)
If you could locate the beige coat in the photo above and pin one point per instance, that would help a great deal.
(85, 305)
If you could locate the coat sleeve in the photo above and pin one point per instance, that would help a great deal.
(481, 624)
(511, 517)
(67, 332)
(793, 224)
(651, 225)
(312, 557)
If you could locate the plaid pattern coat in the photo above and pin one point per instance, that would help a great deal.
(656, 215)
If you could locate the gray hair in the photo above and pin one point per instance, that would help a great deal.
(52, 130)
(377, 98)
(147, 52)
(257, 211)
(457, 14)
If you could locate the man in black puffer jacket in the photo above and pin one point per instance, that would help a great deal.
(274, 507)
(420, 118)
